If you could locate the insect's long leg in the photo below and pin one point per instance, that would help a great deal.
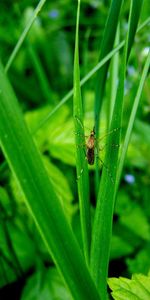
(110, 132)
(81, 124)
(79, 121)
(84, 136)
(112, 145)
(107, 169)
(82, 167)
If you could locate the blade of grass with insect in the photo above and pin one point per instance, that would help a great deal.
(101, 236)
(87, 77)
(24, 34)
(27, 166)
(106, 46)
(81, 162)
(132, 118)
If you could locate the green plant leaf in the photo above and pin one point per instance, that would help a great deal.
(141, 262)
(59, 143)
(138, 288)
(132, 216)
(46, 285)
(139, 156)
(119, 247)
(22, 244)
(137, 222)
(60, 186)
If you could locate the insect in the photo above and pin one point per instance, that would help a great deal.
(90, 148)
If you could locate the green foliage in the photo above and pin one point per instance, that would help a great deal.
(39, 192)
(138, 288)
(45, 284)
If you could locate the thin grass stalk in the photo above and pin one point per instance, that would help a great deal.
(81, 162)
(106, 46)
(113, 81)
(24, 34)
(132, 118)
(41, 76)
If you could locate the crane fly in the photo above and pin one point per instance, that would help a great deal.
(90, 148)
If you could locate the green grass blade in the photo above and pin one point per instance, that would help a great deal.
(42, 78)
(81, 162)
(24, 34)
(113, 81)
(132, 117)
(106, 46)
(135, 14)
(41, 200)
(106, 197)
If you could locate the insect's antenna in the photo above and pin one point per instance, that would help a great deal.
(94, 129)
(81, 172)
(96, 121)
(110, 132)
(79, 121)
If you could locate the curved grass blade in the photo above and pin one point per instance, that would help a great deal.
(132, 117)
(106, 46)
(27, 166)
(113, 81)
(41, 76)
(24, 34)
(101, 236)
(81, 162)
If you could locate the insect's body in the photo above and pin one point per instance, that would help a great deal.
(90, 148)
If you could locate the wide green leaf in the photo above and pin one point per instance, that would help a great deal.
(41, 199)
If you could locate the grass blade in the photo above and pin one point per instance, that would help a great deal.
(41, 76)
(113, 81)
(106, 46)
(132, 117)
(41, 200)
(106, 197)
(81, 162)
(24, 34)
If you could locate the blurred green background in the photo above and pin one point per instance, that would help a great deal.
(41, 75)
